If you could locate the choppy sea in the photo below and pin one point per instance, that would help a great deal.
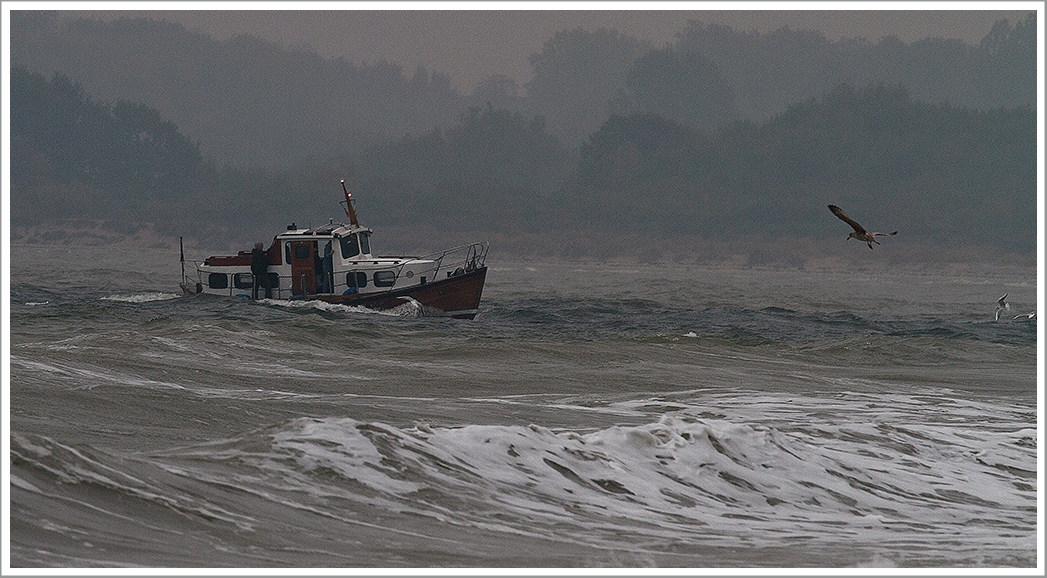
(592, 415)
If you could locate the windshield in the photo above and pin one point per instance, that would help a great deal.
(349, 247)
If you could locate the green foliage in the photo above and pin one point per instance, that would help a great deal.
(684, 86)
(577, 74)
(255, 103)
(771, 71)
(63, 140)
(494, 167)
(1005, 57)
(635, 171)
(934, 171)
(937, 172)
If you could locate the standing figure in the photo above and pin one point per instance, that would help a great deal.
(260, 271)
(328, 269)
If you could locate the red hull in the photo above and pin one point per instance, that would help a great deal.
(457, 296)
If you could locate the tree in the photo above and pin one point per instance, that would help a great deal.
(1007, 58)
(498, 91)
(684, 86)
(576, 75)
(638, 169)
(125, 155)
(252, 103)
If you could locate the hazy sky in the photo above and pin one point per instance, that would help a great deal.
(469, 45)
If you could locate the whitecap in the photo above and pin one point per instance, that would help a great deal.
(875, 474)
(325, 306)
(141, 297)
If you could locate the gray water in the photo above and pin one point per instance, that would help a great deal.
(590, 416)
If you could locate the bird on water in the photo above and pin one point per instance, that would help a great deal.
(1001, 306)
(859, 231)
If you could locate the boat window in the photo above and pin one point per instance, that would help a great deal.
(243, 280)
(218, 281)
(356, 279)
(365, 243)
(301, 251)
(349, 247)
(287, 251)
(384, 278)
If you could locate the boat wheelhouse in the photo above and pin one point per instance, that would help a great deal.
(334, 263)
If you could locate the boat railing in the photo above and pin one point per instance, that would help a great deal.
(456, 260)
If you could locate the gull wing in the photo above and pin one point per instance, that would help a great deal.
(843, 217)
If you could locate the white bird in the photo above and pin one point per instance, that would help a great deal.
(1001, 306)
(859, 231)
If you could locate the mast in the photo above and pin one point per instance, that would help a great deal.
(350, 211)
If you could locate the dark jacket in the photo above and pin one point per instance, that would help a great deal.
(259, 262)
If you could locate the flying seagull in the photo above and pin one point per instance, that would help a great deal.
(859, 231)
(1002, 305)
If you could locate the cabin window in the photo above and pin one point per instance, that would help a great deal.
(287, 252)
(384, 278)
(365, 244)
(243, 280)
(356, 279)
(301, 251)
(349, 247)
(218, 281)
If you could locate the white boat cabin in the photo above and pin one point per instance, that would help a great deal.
(333, 259)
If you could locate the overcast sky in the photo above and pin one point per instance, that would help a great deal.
(471, 45)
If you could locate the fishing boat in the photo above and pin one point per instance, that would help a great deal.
(334, 263)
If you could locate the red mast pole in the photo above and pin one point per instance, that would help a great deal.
(350, 211)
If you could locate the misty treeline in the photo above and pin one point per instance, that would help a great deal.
(936, 171)
(720, 135)
(254, 104)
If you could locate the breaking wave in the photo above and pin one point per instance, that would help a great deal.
(699, 474)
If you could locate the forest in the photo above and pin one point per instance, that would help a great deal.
(255, 104)
(699, 138)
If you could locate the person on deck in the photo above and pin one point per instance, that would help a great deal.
(260, 271)
(328, 269)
